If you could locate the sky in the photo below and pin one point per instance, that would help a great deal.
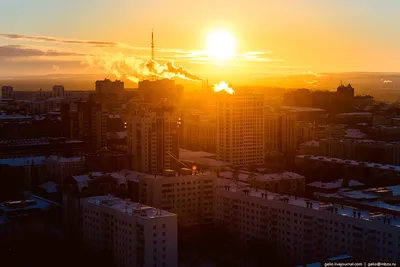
(272, 36)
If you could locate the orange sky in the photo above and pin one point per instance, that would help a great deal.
(294, 36)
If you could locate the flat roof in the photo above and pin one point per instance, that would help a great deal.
(245, 176)
(302, 109)
(316, 205)
(37, 160)
(201, 157)
(127, 207)
(351, 162)
(335, 184)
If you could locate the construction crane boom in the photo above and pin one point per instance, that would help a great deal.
(177, 160)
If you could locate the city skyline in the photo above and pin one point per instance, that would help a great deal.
(271, 38)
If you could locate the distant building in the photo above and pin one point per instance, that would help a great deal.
(372, 174)
(199, 132)
(160, 92)
(7, 92)
(240, 128)
(362, 150)
(111, 89)
(190, 196)
(153, 140)
(58, 91)
(133, 234)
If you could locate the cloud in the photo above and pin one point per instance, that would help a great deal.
(57, 40)
(56, 68)
(387, 81)
(318, 75)
(311, 82)
(17, 51)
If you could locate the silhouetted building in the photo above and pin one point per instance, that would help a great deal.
(344, 98)
(114, 90)
(92, 125)
(105, 160)
(161, 92)
(21, 218)
(7, 92)
(199, 132)
(58, 91)
(279, 130)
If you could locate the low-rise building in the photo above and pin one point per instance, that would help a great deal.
(365, 172)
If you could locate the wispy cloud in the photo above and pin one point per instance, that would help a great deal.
(17, 51)
(311, 82)
(387, 81)
(58, 40)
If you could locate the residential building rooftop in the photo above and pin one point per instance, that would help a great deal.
(130, 208)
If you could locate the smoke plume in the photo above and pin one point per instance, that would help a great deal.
(134, 69)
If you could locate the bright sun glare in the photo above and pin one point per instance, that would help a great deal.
(220, 45)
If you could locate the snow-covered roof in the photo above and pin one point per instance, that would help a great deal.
(355, 133)
(311, 143)
(127, 207)
(335, 184)
(340, 257)
(302, 109)
(50, 187)
(351, 162)
(200, 157)
(342, 210)
(117, 135)
(38, 160)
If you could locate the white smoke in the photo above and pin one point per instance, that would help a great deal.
(134, 69)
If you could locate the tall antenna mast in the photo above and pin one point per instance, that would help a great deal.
(152, 44)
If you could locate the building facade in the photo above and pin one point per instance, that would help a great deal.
(240, 128)
(190, 196)
(153, 140)
(307, 230)
(134, 235)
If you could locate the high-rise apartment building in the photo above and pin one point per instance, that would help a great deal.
(58, 91)
(199, 132)
(190, 196)
(240, 128)
(307, 230)
(153, 140)
(280, 134)
(92, 125)
(134, 235)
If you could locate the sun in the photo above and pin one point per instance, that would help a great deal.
(220, 45)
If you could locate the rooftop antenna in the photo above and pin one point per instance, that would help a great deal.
(152, 44)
